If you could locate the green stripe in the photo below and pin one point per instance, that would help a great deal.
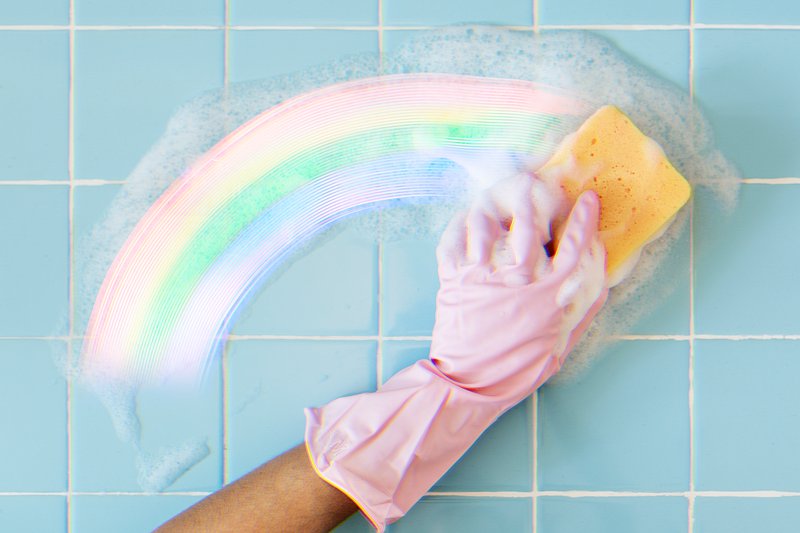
(518, 132)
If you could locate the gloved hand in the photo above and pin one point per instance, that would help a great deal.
(503, 327)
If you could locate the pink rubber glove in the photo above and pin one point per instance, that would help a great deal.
(501, 331)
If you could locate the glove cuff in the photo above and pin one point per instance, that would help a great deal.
(385, 449)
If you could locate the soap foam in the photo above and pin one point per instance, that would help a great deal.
(579, 64)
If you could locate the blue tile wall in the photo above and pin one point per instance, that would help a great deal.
(34, 131)
(752, 102)
(35, 12)
(746, 416)
(622, 427)
(470, 515)
(149, 12)
(330, 290)
(33, 415)
(440, 12)
(612, 515)
(409, 287)
(125, 514)
(669, 295)
(146, 74)
(664, 52)
(778, 12)
(34, 267)
(742, 515)
(91, 204)
(86, 86)
(33, 514)
(305, 12)
(574, 12)
(272, 381)
(169, 421)
(751, 250)
(256, 54)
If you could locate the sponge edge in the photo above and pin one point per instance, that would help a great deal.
(640, 191)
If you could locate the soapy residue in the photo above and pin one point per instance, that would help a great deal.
(580, 64)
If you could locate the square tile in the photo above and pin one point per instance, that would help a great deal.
(256, 54)
(623, 425)
(90, 204)
(745, 264)
(35, 12)
(665, 53)
(612, 515)
(467, 515)
(441, 12)
(304, 12)
(746, 12)
(34, 239)
(34, 131)
(125, 514)
(501, 459)
(127, 84)
(575, 12)
(746, 417)
(329, 287)
(34, 514)
(33, 411)
(750, 97)
(270, 382)
(408, 288)
(744, 515)
(149, 12)
(180, 440)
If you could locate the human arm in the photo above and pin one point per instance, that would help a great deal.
(284, 494)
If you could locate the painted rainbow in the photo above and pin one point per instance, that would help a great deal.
(168, 299)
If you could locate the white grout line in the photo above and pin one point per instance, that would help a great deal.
(537, 26)
(379, 352)
(771, 181)
(225, 378)
(697, 336)
(703, 336)
(621, 494)
(63, 183)
(101, 182)
(692, 332)
(649, 337)
(535, 396)
(368, 27)
(498, 494)
(790, 27)
(71, 225)
(226, 474)
(304, 338)
(65, 338)
(226, 49)
(691, 497)
(611, 494)
(691, 50)
(380, 35)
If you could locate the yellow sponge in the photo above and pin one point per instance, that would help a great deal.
(640, 191)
